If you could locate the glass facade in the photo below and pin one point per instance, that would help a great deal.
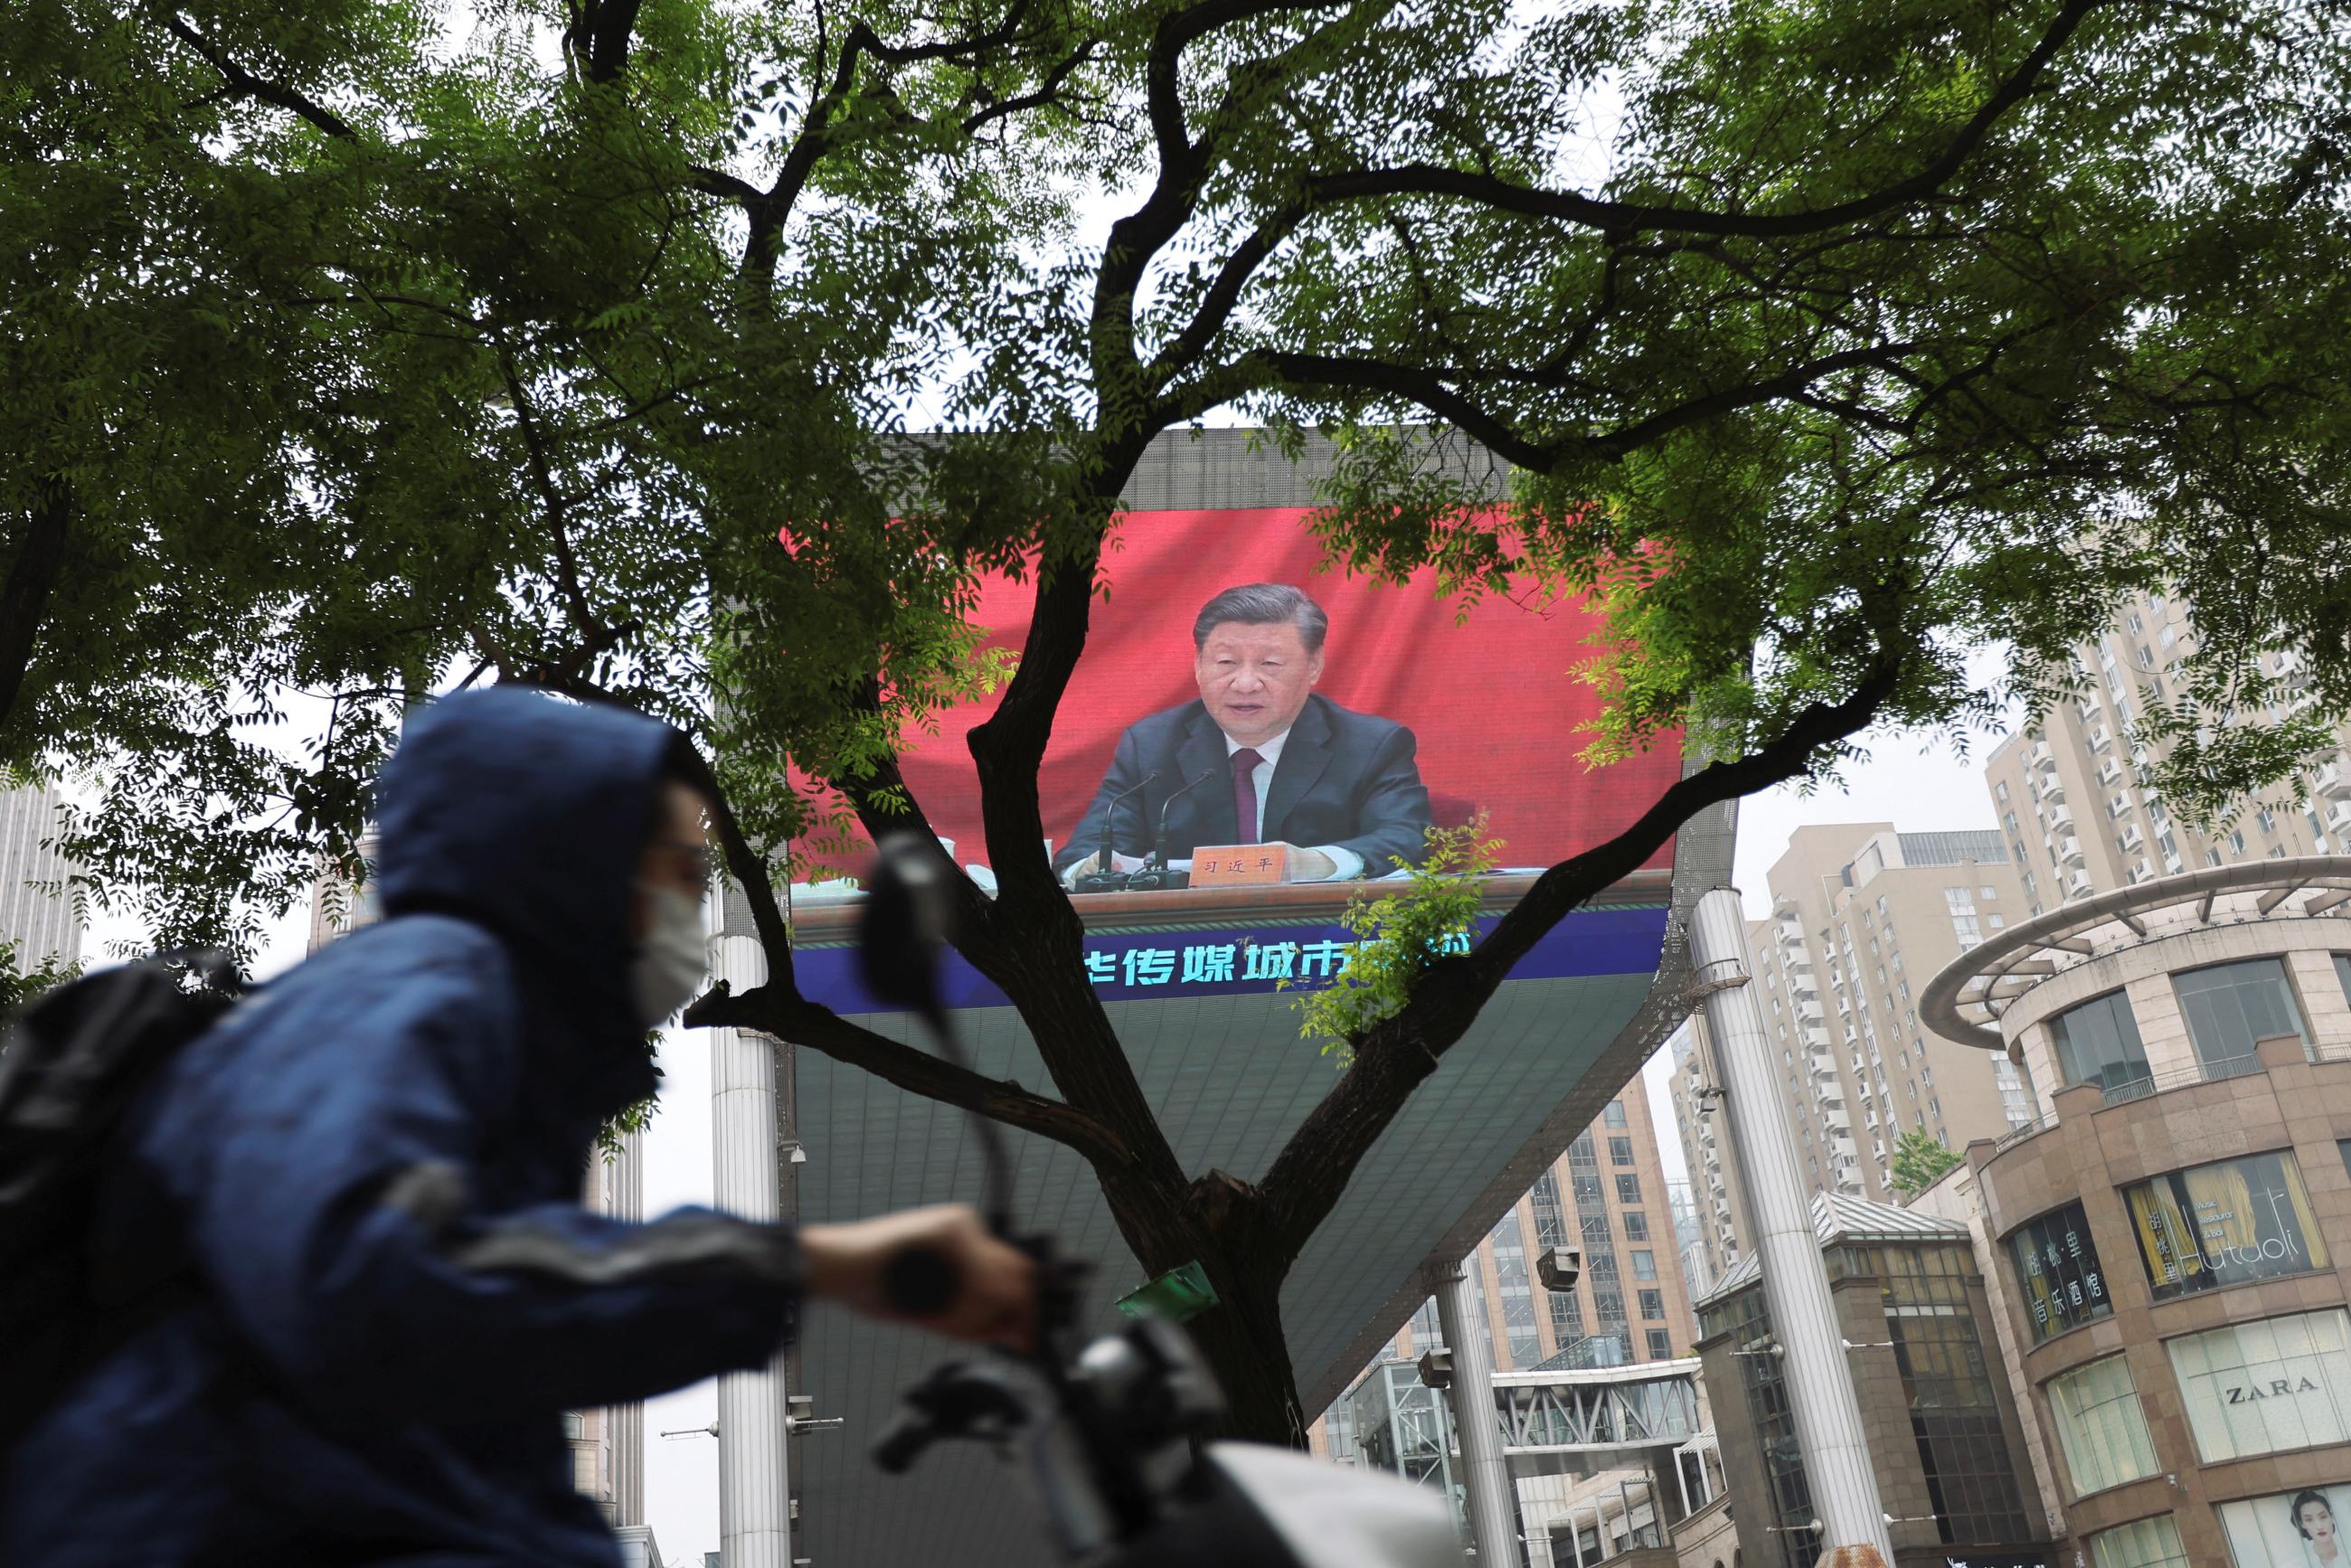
(2101, 1426)
(2142, 1543)
(2098, 1042)
(2266, 1387)
(1517, 1291)
(1599, 1246)
(1789, 1544)
(2229, 1006)
(1400, 1425)
(1947, 1382)
(2224, 1224)
(2058, 1270)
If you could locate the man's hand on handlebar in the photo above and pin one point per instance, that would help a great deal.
(993, 1298)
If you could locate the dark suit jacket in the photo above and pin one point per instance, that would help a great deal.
(1344, 779)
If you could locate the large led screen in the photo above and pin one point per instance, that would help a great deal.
(1232, 694)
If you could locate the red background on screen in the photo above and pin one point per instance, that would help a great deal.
(1493, 702)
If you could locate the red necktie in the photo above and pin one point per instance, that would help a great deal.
(1245, 763)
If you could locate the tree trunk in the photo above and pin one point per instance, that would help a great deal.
(1209, 1222)
(1242, 1341)
(32, 577)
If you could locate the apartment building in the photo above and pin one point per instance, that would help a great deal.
(36, 918)
(2072, 791)
(1861, 917)
(1606, 1196)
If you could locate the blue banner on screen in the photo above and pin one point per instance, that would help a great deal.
(1149, 966)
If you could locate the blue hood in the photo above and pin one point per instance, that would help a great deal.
(527, 813)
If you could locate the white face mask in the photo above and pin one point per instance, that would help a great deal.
(672, 958)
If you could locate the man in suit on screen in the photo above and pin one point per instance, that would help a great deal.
(1259, 757)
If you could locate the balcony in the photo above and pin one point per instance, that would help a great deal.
(2132, 837)
(2038, 755)
(2101, 738)
(2180, 1077)
(2331, 779)
(2110, 772)
(2061, 815)
(2077, 885)
(2068, 848)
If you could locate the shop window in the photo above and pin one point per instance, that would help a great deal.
(2266, 1387)
(2101, 1426)
(2058, 1271)
(2296, 1527)
(2098, 1042)
(2229, 1006)
(2142, 1543)
(2224, 1224)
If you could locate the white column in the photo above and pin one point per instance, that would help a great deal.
(627, 1422)
(1485, 1476)
(1796, 1285)
(753, 1490)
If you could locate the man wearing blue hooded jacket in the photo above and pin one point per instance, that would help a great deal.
(369, 1172)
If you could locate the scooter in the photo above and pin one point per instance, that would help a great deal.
(1111, 1431)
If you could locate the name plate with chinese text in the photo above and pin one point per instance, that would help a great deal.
(1239, 866)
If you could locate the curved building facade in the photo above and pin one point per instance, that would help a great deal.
(2171, 1233)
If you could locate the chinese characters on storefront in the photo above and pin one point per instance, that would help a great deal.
(2057, 1265)
(2224, 1224)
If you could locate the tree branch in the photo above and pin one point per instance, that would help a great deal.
(1315, 1166)
(776, 1010)
(252, 86)
(1626, 218)
(601, 29)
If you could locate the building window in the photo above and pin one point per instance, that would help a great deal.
(1991, 893)
(2230, 1006)
(2057, 1269)
(1628, 1190)
(1614, 1115)
(1645, 1264)
(1653, 1305)
(1620, 1151)
(2141, 1543)
(2286, 1527)
(1636, 1226)
(2342, 973)
(2224, 1224)
(2098, 1042)
(2101, 1426)
(1661, 1346)
(2266, 1387)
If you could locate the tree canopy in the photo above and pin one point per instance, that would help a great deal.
(1919, 1161)
(701, 356)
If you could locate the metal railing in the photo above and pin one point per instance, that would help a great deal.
(2182, 1077)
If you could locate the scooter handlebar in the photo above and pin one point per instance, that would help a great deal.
(919, 1281)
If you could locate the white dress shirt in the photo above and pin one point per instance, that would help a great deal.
(1345, 862)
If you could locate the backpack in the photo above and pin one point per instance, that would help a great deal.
(71, 1064)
